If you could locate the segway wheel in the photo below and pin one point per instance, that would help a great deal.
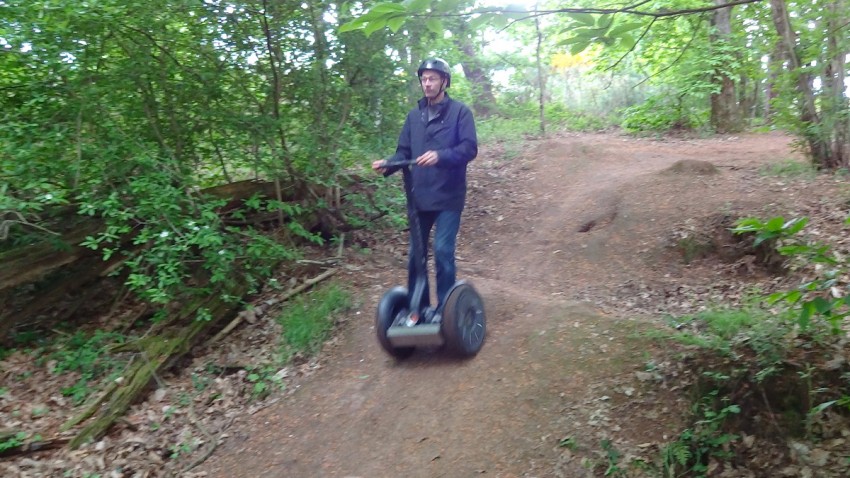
(393, 303)
(464, 325)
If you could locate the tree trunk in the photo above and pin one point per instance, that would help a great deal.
(774, 69)
(819, 148)
(482, 87)
(725, 114)
(748, 98)
(835, 105)
(274, 62)
(541, 75)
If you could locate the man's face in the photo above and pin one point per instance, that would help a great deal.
(432, 83)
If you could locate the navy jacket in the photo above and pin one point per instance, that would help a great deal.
(452, 135)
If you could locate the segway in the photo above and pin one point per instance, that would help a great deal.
(402, 321)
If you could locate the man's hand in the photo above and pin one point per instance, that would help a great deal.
(430, 158)
(380, 166)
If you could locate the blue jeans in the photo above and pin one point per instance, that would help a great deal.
(445, 241)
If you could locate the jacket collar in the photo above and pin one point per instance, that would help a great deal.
(442, 107)
(423, 103)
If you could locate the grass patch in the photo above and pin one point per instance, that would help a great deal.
(734, 331)
(308, 320)
(789, 168)
(495, 129)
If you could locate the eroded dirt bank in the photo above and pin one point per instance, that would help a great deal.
(553, 239)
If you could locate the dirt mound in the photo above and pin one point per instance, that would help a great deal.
(692, 166)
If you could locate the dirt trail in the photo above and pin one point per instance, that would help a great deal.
(575, 213)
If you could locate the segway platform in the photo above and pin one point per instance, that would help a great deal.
(460, 326)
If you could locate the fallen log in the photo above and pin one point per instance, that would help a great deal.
(60, 272)
(34, 446)
(26, 264)
(36, 279)
(57, 296)
(154, 355)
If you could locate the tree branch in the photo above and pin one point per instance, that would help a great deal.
(632, 10)
(659, 14)
(645, 31)
(681, 54)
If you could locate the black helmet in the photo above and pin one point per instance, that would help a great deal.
(436, 64)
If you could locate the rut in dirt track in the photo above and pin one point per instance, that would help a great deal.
(560, 216)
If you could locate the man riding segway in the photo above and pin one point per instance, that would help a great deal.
(436, 143)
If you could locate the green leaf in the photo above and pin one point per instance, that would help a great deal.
(624, 28)
(794, 296)
(396, 23)
(821, 305)
(775, 224)
(571, 40)
(355, 24)
(579, 47)
(795, 225)
(583, 18)
(793, 249)
(806, 313)
(747, 224)
(823, 406)
(627, 42)
(588, 34)
(350, 26)
(434, 25)
(374, 26)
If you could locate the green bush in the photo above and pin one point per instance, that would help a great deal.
(559, 116)
(503, 129)
(661, 114)
(766, 354)
(518, 121)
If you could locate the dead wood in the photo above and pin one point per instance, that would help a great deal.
(154, 353)
(57, 296)
(43, 276)
(28, 263)
(35, 446)
(36, 279)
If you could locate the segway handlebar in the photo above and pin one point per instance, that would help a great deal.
(399, 163)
